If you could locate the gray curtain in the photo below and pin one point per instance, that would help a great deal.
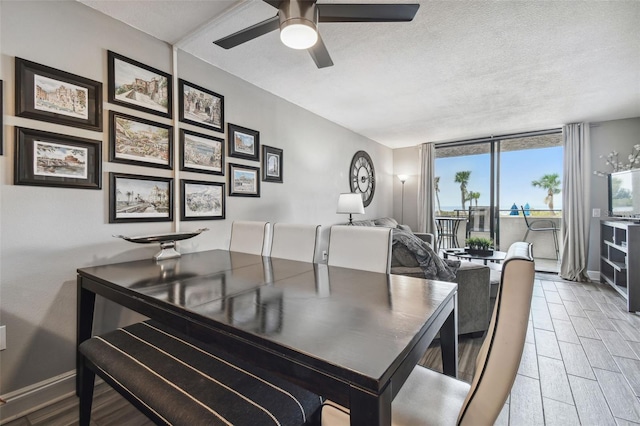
(426, 189)
(575, 202)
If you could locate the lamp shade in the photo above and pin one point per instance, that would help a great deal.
(350, 203)
(403, 178)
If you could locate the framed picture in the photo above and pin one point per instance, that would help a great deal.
(135, 198)
(48, 94)
(201, 107)
(271, 164)
(244, 181)
(202, 200)
(51, 159)
(138, 141)
(138, 86)
(201, 153)
(244, 143)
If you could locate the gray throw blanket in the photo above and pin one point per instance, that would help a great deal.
(434, 267)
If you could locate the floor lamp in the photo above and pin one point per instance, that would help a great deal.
(403, 179)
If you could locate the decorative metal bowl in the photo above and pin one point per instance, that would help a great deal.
(167, 242)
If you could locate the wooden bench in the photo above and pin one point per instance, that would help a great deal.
(174, 379)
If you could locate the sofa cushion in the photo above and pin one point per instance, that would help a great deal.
(364, 222)
(387, 222)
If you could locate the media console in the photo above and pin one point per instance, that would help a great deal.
(620, 259)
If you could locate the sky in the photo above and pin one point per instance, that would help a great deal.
(518, 170)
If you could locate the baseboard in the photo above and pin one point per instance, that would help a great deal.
(31, 398)
(594, 276)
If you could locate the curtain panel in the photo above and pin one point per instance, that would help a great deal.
(426, 189)
(575, 205)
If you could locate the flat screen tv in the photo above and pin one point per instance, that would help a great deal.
(624, 193)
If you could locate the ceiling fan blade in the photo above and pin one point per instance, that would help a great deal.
(274, 3)
(320, 54)
(250, 33)
(367, 12)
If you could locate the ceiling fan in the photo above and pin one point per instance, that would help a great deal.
(298, 23)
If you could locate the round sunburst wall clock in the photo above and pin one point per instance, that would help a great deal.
(362, 176)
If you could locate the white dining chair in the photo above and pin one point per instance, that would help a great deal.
(432, 398)
(294, 242)
(249, 236)
(360, 247)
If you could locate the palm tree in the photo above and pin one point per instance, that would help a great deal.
(463, 178)
(473, 196)
(436, 185)
(551, 183)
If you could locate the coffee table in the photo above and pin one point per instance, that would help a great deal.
(496, 257)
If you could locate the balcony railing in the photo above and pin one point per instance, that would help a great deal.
(513, 228)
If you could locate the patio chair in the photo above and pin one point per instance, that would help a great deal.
(479, 220)
(542, 225)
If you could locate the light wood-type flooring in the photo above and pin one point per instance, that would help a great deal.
(580, 366)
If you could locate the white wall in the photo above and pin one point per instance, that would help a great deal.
(406, 161)
(47, 233)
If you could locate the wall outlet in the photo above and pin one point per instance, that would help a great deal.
(596, 213)
(3, 337)
(324, 255)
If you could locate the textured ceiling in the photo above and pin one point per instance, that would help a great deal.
(461, 69)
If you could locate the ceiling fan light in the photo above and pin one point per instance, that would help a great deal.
(298, 33)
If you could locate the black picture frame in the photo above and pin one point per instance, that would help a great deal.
(195, 106)
(56, 96)
(201, 153)
(123, 149)
(244, 181)
(154, 88)
(239, 136)
(272, 164)
(202, 200)
(128, 193)
(51, 159)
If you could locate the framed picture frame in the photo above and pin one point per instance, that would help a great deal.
(271, 164)
(202, 200)
(201, 153)
(134, 140)
(51, 159)
(201, 107)
(47, 94)
(244, 181)
(243, 142)
(137, 198)
(135, 85)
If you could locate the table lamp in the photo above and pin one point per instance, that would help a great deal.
(350, 203)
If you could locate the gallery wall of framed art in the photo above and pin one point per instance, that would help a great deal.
(50, 159)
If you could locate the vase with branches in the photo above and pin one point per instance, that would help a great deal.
(613, 160)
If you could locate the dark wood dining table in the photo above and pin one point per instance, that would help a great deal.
(351, 336)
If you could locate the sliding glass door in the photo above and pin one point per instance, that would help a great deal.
(498, 178)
